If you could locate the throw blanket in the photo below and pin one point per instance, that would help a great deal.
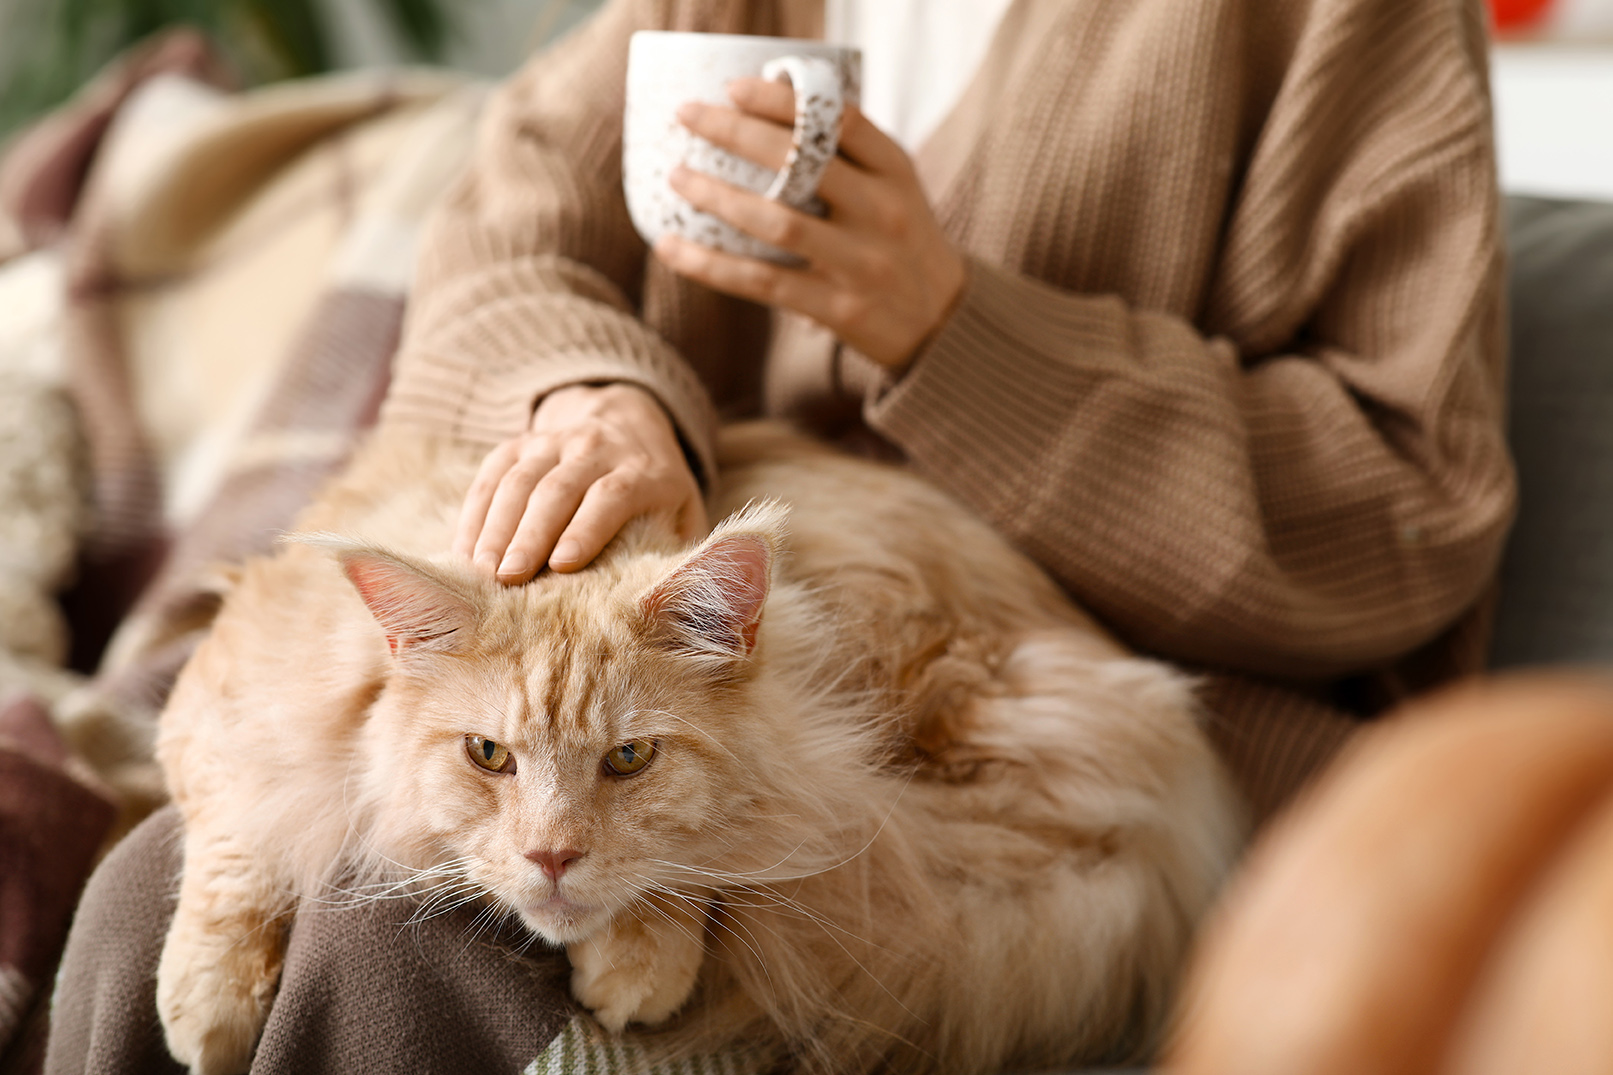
(233, 273)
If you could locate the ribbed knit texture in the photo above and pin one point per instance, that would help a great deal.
(1229, 363)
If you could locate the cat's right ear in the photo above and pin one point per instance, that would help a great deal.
(414, 608)
(710, 608)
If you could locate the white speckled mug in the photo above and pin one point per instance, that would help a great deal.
(665, 69)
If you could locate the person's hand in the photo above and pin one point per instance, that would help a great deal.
(592, 458)
(880, 274)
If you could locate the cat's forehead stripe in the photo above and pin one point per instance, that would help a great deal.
(568, 675)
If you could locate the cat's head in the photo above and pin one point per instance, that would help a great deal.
(575, 743)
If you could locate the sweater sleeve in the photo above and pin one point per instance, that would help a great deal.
(531, 272)
(1316, 502)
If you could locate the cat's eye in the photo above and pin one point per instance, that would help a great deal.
(630, 758)
(494, 757)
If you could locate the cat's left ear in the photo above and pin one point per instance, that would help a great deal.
(415, 607)
(711, 606)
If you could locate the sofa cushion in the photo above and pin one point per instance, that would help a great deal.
(1557, 576)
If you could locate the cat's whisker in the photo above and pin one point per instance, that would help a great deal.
(530, 936)
(777, 901)
(732, 926)
(400, 888)
(830, 930)
(452, 887)
(724, 923)
(486, 919)
(761, 875)
(764, 875)
(719, 744)
(677, 924)
(445, 903)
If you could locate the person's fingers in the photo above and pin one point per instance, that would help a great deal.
(844, 187)
(864, 143)
(749, 278)
(473, 512)
(548, 510)
(503, 520)
(756, 140)
(861, 140)
(771, 99)
(608, 504)
(768, 220)
(508, 505)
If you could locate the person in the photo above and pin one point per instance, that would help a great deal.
(1200, 305)
(1199, 316)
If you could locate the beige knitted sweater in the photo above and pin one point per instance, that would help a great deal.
(1229, 363)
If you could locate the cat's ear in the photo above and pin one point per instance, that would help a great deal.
(415, 607)
(711, 605)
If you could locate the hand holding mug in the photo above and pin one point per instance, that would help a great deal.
(878, 271)
(732, 196)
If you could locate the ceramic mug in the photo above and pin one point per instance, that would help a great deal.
(667, 68)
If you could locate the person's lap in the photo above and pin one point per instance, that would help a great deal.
(364, 988)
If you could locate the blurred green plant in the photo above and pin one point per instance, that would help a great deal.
(48, 48)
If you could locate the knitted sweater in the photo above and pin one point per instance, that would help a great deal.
(1228, 364)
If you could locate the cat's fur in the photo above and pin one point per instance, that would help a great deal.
(909, 808)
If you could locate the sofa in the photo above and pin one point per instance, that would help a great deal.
(84, 735)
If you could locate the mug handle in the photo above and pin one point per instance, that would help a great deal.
(818, 107)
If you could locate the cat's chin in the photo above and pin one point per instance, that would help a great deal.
(560, 921)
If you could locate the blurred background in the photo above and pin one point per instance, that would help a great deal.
(1552, 65)
(1553, 59)
(50, 47)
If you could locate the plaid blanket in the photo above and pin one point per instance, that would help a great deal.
(233, 270)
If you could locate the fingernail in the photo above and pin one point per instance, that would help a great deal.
(515, 563)
(567, 552)
(487, 562)
(689, 111)
(679, 175)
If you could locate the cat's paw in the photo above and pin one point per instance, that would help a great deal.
(214, 999)
(639, 969)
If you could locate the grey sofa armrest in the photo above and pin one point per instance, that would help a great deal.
(1557, 576)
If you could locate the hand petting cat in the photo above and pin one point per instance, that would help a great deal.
(880, 274)
(593, 457)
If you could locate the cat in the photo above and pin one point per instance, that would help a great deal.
(849, 781)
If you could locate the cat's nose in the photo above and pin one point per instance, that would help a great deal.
(554, 863)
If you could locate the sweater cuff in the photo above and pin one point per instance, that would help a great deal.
(997, 382)
(502, 407)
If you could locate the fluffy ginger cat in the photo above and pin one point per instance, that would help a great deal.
(849, 781)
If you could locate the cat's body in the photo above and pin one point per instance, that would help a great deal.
(903, 803)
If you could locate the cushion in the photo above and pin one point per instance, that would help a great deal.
(1557, 577)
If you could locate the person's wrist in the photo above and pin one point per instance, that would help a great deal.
(952, 274)
(569, 402)
(555, 402)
